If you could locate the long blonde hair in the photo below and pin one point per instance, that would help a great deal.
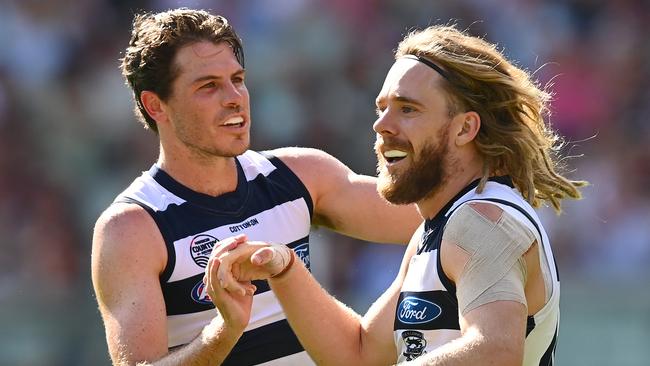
(514, 137)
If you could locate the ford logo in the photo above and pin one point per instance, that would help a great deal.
(413, 310)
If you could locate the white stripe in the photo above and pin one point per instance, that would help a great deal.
(434, 338)
(422, 274)
(145, 189)
(266, 310)
(184, 328)
(254, 163)
(283, 223)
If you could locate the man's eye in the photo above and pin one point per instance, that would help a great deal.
(379, 111)
(407, 109)
(208, 85)
(238, 80)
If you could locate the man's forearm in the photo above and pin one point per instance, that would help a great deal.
(211, 347)
(329, 330)
(472, 348)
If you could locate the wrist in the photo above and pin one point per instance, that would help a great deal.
(219, 331)
(283, 272)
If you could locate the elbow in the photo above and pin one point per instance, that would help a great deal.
(504, 352)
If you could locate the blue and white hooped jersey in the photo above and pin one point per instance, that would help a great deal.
(427, 310)
(270, 204)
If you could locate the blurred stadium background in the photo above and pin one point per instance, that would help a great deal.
(69, 143)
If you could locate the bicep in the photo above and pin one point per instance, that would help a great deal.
(358, 210)
(348, 202)
(126, 262)
(500, 329)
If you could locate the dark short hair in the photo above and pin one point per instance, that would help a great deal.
(148, 62)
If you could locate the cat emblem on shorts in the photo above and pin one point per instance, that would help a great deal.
(415, 344)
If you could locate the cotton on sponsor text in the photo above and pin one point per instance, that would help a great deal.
(244, 225)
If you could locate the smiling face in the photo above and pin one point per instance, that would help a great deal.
(208, 111)
(413, 147)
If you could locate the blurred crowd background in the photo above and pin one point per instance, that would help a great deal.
(69, 143)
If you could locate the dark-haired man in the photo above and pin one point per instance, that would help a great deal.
(151, 246)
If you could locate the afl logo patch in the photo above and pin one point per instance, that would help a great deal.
(413, 310)
(200, 294)
(201, 247)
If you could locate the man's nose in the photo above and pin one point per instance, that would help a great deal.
(233, 96)
(384, 125)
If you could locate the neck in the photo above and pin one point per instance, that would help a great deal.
(212, 175)
(457, 179)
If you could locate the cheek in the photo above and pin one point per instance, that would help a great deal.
(246, 98)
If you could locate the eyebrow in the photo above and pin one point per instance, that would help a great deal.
(402, 99)
(213, 77)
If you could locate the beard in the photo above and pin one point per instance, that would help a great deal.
(426, 174)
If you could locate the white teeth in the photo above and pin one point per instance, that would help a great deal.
(395, 154)
(234, 121)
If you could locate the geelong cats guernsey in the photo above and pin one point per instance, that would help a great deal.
(427, 312)
(270, 204)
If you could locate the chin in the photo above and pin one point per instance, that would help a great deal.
(240, 147)
(386, 186)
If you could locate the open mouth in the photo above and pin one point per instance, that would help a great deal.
(237, 121)
(393, 156)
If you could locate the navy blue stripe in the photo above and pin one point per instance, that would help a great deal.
(505, 180)
(530, 324)
(189, 218)
(182, 297)
(431, 240)
(226, 203)
(302, 252)
(429, 311)
(264, 344)
(444, 279)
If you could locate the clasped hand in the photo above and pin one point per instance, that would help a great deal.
(235, 262)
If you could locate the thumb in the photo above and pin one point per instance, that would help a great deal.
(262, 256)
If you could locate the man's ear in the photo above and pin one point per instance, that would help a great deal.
(154, 106)
(470, 124)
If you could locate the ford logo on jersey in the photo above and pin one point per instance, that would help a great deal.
(413, 310)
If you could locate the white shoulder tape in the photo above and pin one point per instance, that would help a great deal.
(496, 269)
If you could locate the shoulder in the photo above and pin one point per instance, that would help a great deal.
(315, 168)
(120, 217)
(304, 158)
(127, 230)
(482, 230)
(474, 220)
